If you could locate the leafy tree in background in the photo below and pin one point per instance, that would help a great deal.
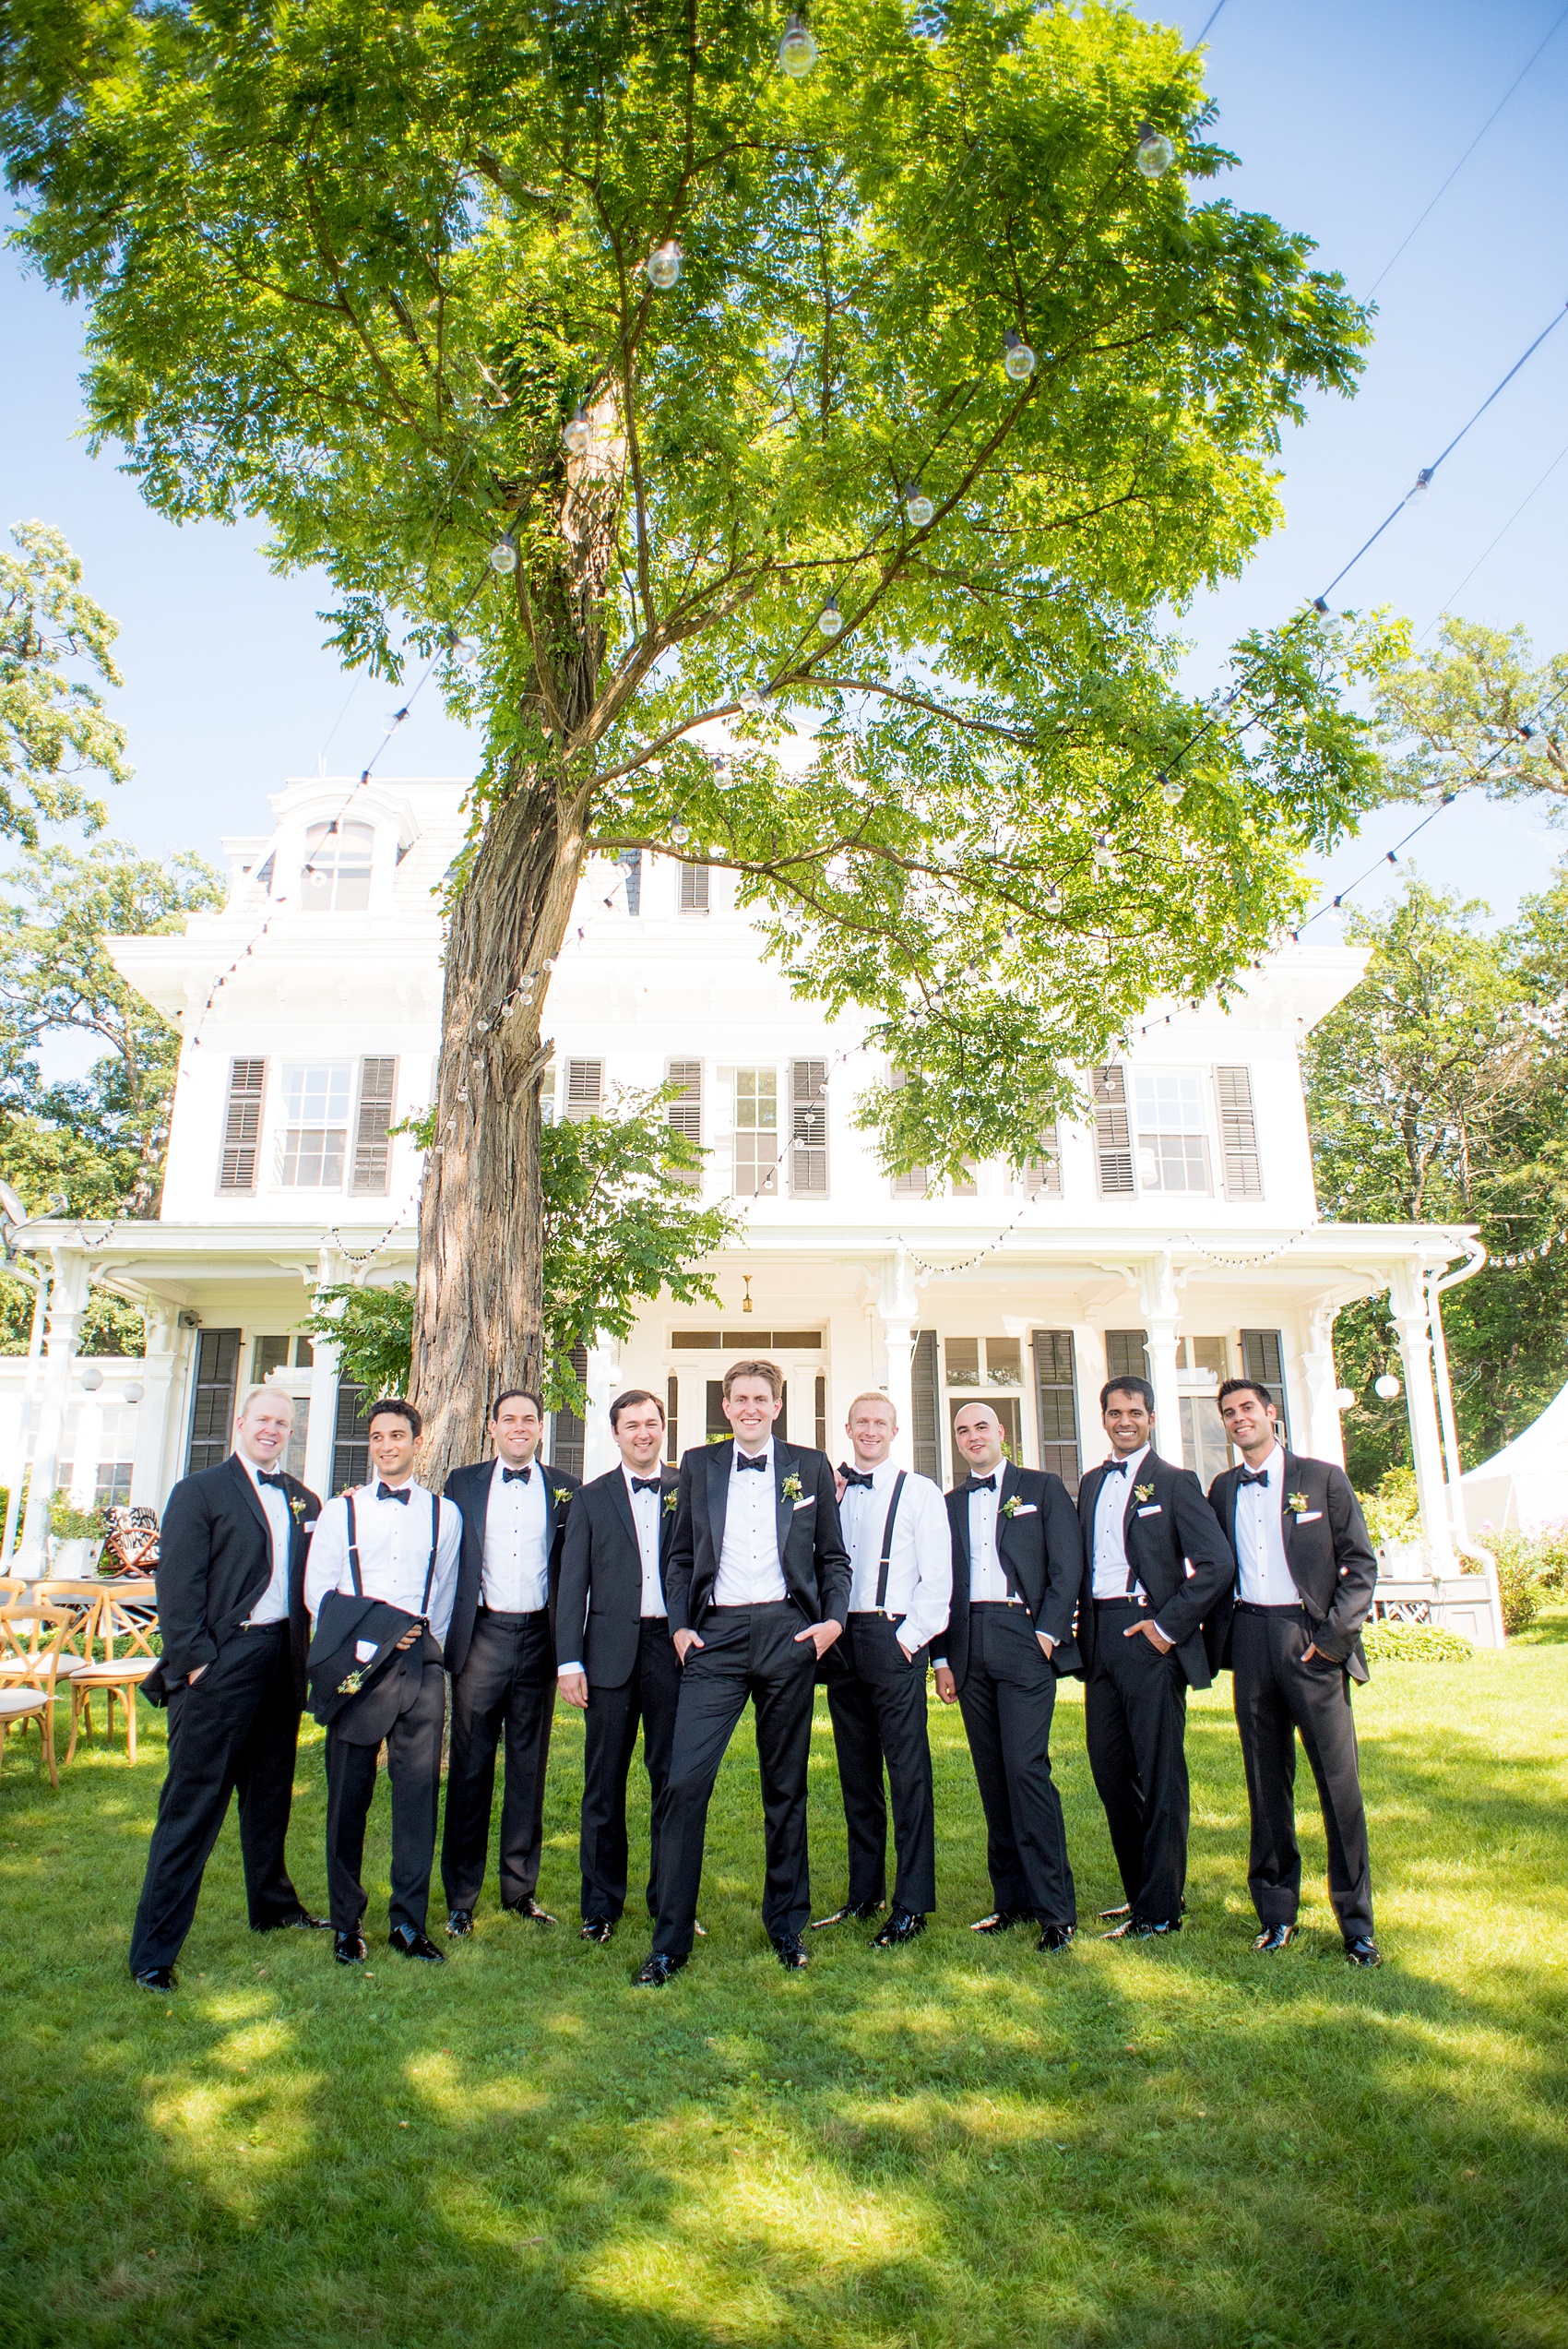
(712, 361)
(1477, 713)
(621, 1224)
(1438, 1091)
(54, 728)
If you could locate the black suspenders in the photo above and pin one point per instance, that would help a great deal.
(435, 1540)
(887, 1544)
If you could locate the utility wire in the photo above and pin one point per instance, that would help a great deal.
(1497, 541)
(1208, 22)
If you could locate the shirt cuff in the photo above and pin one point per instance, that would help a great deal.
(1164, 1633)
(562, 1669)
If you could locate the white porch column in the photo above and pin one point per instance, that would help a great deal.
(1088, 1374)
(603, 1384)
(1408, 1314)
(149, 1480)
(321, 1428)
(1157, 1301)
(898, 1308)
(1325, 1437)
(69, 1276)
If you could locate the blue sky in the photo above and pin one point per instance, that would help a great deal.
(1347, 118)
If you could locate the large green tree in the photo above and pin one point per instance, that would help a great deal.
(55, 651)
(894, 409)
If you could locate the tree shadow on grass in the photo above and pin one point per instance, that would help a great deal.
(961, 2142)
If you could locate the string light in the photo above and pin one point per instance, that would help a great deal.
(503, 556)
(574, 439)
(1019, 359)
(1155, 154)
(754, 697)
(797, 50)
(917, 506)
(1171, 790)
(1385, 1387)
(664, 266)
(830, 620)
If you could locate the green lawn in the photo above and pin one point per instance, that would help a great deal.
(958, 2144)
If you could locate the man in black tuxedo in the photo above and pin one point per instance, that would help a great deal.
(1291, 1638)
(230, 1607)
(1017, 1566)
(1155, 1562)
(758, 1585)
(501, 1655)
(618, 1660)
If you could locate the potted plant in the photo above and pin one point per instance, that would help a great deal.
(76, 1537)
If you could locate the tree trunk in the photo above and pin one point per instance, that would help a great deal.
(479, 1311)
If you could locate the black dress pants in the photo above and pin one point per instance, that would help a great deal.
(877, 1701)
(747, 1653)
(1135, 1719)
(506, 1686)
(1007, 1699)
(647, 1696)
(236, 1730)
(1278, 1695)
(413, 1766)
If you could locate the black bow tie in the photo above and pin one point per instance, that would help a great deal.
(981, 1484)
(394, 1492)
(272, 1477)
(1116, 1468)
(855, 1475)
(1254, 1476)
(750, 1460)
(646, 1483)
(515, 1476)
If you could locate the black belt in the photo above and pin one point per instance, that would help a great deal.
(279, 1623)
(752, 1606)
(978, 1607)
(1252, 1606)
(1128, 1602)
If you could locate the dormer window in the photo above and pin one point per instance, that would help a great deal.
(336, 874)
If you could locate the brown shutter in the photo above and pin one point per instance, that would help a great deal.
(694, 888)
(1056, 1391)
(373, 1134)
(684, 1112)
(808, 1154)
(1114, 1135)
(1043, 1175)
(241, 1124)
(1238, 1134)
(585, 1089)
(913, 1184)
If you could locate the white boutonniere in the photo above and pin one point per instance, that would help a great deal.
(297, 1505)
(670, 1497)
(1298, 1501)
(791, 1488)
(1010, 1506)
(1143, 1492)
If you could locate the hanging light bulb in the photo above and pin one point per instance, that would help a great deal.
(503, 556)
(395, 719)
(664, 266)
(317, 879)
(797, 51)
(754, 697)
(1019, 359)
(465, 652)
(1416, 493)
(830, 620)
(917, 506)
(1386, 1386)
(1053, 899)
(1169, 789)
(1104, 855)
(680, 834)
(574, 439)
(1344, 1397)
(1155, 154)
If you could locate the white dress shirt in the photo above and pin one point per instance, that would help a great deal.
(273, 1604)
(1265, 1579)
(647, 1515)
(515, 1579)
(1110, 1510)
(394, 1544)
(919, 1567)
(988, 1581)
(749, 1572)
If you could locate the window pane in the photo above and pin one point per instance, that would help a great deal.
(962, 1358)
(757, 1101)
(1003, 1366)
(1170, 1101)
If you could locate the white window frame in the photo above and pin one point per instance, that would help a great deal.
(296, 1075)
(1185, 1093)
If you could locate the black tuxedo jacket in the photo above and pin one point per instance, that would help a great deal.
(599, 1604)
(214, 1562)
(469, 1487)
(1329, 1554)
(1178, 1550)
(1041, 1555)
(812, 1556)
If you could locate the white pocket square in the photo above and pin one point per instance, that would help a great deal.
(311, 1524)
(1155, 1508)
(363, 1650)
(1308, 1516)
(1025, 1508)
(810, 1502)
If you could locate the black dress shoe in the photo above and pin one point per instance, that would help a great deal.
(852, 1913)
(1364, 1952)
(300, 1922)
(999, 1921)
(1053, 1937)
(1274, 1938)
(598, 1928)
(656, 1970)
(528, 1907)
(155, 1978)
(460, 1924)
(900, 1927)
(790, 1952)
(349, 1949)
(1142, 1928)
(410, 1944)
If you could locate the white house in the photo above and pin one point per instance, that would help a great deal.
(1177, 1227)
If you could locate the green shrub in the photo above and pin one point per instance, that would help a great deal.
(1387, 1642)
(1526, 1569)
(68, 1523)
(1393, 1512)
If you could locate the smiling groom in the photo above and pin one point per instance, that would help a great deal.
(758, 1587)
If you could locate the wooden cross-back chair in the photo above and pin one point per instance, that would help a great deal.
(118, 1618)
(34, 1657)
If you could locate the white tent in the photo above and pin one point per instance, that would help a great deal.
(1524, 1488)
